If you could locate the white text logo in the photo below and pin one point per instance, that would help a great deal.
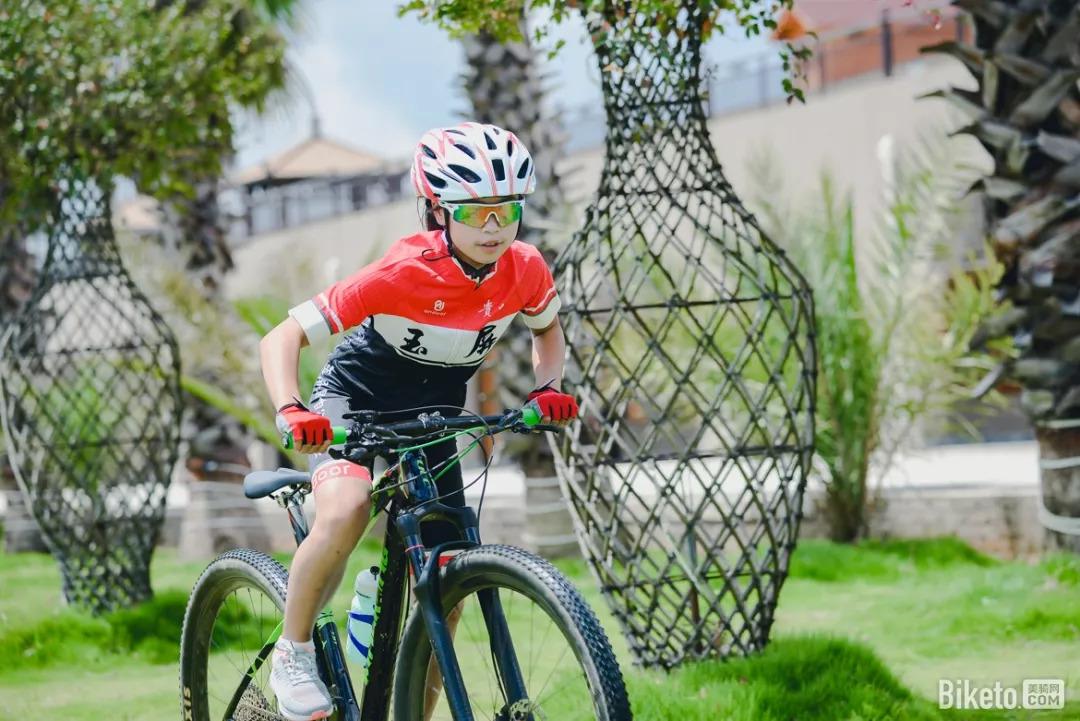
(962, 694)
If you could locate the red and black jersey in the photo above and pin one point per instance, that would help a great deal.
(423, 324)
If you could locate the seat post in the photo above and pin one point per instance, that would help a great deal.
(293, 504)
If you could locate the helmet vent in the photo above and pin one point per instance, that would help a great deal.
(465, 149)
(490, 143)
(428, 151)
(500, 171)
(435, 180)
(524, 170)
(467, 175)
(510, 147)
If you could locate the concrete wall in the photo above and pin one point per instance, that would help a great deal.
(839, 130)
(998, 520)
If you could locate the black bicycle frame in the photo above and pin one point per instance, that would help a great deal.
(402, 550)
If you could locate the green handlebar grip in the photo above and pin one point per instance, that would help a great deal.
(530, 414)
(341, 434)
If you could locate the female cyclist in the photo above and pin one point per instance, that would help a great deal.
(426, 315)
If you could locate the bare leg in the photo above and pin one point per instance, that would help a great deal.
(342, 508)
(433, 684)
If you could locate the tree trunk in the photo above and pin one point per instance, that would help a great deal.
(17, 272)
(21, 532)
(1059, 461)
(195, 229)
(18, 275)
(505, 89)
(1025, 111)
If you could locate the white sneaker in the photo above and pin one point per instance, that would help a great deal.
(294, 679)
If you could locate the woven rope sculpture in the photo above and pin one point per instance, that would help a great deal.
(692, 354)
(90, 407)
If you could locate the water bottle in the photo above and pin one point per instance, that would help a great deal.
(361, 627)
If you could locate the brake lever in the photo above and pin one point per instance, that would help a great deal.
(364, 449)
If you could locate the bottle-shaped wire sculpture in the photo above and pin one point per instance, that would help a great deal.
(90, 406)
(691, 350)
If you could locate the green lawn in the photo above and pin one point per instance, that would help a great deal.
(861, 633)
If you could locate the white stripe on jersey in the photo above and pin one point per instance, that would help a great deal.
(544, 319)
(311, 319)
(438, 345)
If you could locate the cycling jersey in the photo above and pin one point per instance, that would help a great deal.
(424, 324)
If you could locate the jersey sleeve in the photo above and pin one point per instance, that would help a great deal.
(541, 302)
(344, 304)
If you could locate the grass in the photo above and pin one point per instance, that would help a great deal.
(881, 560)
(862, 632)
(968, 617)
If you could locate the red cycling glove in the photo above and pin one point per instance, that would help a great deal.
(554, 405)
(307, 428)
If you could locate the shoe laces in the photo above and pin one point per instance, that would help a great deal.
(300, 667)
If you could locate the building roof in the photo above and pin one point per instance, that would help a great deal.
(824, 16)
(315, 157)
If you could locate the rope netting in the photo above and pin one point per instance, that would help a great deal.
(90, 406)
(692, 356)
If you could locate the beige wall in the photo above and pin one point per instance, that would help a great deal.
(839, 130)
(297, 262)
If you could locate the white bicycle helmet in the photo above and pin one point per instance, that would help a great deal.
(471, 160)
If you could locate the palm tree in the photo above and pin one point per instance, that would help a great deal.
(17, 273)
(1025, 57)
(506, 88)
(196, 227)
(197, 218)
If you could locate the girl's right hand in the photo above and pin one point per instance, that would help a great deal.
(311, 432)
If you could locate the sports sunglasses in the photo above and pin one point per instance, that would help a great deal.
(475, 215)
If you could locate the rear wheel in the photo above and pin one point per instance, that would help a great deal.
(232, 621)
(564, 660)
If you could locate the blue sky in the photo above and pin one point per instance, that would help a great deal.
(379, 81)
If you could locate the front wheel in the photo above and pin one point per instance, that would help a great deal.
(563, 666)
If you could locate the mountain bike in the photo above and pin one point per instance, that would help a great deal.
(526, 646)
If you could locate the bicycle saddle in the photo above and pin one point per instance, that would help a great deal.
(262, 483)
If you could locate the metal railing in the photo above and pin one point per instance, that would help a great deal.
(260, 210)
(755, 82)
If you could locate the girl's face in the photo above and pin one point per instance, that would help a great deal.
(485, 244)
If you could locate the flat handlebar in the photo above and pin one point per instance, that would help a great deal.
(528, 415)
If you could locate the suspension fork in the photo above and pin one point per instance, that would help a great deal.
(502, 648)
(429, 601)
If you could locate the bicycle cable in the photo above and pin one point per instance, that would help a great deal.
(457, 457)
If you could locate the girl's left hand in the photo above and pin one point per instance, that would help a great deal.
(555, 407)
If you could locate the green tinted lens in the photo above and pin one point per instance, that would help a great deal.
(476, 214)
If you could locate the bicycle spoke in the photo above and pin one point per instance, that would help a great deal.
(494, 691)
(532, 650)
(471, 608)
(237, 639)
(555, 667)
(541, 662)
